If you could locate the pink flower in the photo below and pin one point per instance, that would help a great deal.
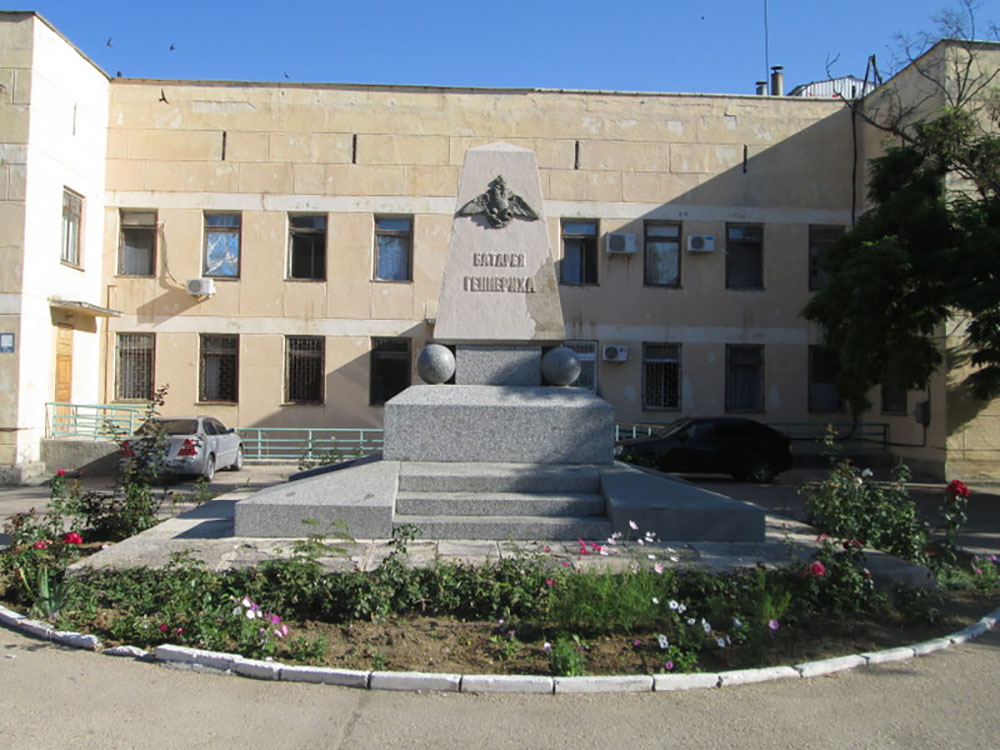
(637, 643)
(633, 525)
(546, 549)
(669, 666)
(164, 628)
(773, 624)
(658, 568)
(978, 571)
(550, 582)
(72, 538)
(566, 563)
(61, 473)
(822, 537)
(41, 544)
(817, 569)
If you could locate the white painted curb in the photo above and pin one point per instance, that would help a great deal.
(540, 684)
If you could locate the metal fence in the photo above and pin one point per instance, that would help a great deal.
(860, 437)
(94, 421)
(308, 445)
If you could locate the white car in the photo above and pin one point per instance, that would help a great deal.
(194, 446)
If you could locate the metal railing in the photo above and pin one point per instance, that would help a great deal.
(863, 436)
(308, 444)
(94, 421)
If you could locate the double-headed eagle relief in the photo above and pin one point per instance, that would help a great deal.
(499, 204)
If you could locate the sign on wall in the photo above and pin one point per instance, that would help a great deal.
(6, 343)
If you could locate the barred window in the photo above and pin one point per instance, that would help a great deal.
(894, 390)
(134, 366)
(586, 352)
(304, 370)
(389, 370)
(744, 256)
(661, 373)
(744, 378)
(137, 243)
(662, 244)
(824, 369)
(219, 371)
(72, 214)
(307, 246)
(579, 262)
(222, 244)
(393, 248)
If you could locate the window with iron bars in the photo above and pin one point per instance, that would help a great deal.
(390, 369)
(134, 366)
(661, 373)
(586, 353)
(744, 377)
(219, 371)
(304, 370)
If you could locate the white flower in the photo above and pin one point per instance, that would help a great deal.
(691, 621)
(662, 640)
(246, 602)
(651, 556)
(633, 525)
(658, 569)
(251, 614)
(655, 600)
(866, 473)
(737, 623)
(639, 542)
(674, 558)
(720, 642)
(705, 626)
(674, 604)
(682, 608)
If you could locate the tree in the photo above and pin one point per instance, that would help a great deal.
(928, 252)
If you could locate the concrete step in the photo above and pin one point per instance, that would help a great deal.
(572, 504)
(507, 527)
(442, 476)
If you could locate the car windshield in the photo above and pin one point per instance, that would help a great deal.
(673, 428)
(169, 427)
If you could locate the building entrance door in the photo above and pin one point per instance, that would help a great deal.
(64, 365)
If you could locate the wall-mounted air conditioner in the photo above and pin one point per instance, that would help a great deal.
(615, 353)
(701, 243)
(200, 287)
(619, 243)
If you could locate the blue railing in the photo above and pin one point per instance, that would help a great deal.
(307, 444)
(94, 421)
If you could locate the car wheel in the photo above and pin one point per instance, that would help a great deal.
(209, 472)
(238, 463)
(762, 471)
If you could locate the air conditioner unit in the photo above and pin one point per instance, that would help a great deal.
(701, 243)
(615, 353)
(200, 287)
(619, 243)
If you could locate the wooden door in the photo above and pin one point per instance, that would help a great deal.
(64, 364)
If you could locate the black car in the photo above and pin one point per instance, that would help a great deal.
(728, 445)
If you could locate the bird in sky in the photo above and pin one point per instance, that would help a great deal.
(172, 48)
(109, 42)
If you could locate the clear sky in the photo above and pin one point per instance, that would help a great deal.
(633, 45)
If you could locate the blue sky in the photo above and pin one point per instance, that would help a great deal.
(639, 45)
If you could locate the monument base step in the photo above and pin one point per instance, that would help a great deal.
(579, 504)
(444, 476)
(519, 528)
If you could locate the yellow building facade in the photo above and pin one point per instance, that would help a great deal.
(274, 251)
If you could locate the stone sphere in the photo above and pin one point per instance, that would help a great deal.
(560, 366)
(435, 363)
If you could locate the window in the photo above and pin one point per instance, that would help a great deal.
(307, 246)
(824, 367)
(71, 217)
(893, 393)
(821, 239)
(661, 376)
(390, 369)
(219, 371)
(222, 245)
(744, 378)
(393, 248)
(136, 243)
(134, 366)
(662, 245)
(579, 263)
(744, 256)
(586, 352)
(304, 370)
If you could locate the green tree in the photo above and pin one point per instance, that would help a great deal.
(928, 252)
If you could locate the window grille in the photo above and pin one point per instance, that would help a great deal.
(304, 370)
(824, 368)
(586, 352)
(390, 369)
(134, 366)
(219, 371)
(661, 376)
(71, 217)
(744, 378)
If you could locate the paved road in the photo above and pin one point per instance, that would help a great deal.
(55, 698)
